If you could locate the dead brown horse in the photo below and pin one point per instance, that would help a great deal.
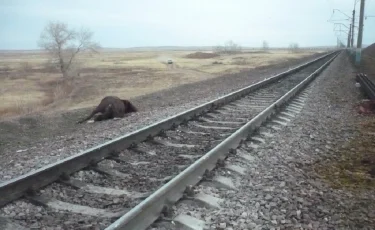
(111, 107)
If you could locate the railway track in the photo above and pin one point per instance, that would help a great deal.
(128, 182)
(367, 85)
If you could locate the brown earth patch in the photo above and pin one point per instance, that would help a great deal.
(201, 55)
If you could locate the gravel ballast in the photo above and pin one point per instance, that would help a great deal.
(145, 167)
(35, 141)
(282, 188)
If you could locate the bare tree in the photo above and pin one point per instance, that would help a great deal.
(294, 47)
(229, 48)
(64, 44)
(265, 45)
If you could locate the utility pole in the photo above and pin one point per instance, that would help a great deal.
(360, 29)
(352, 41)
(360, 33)
(350, 32)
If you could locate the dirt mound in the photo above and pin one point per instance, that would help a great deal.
(201, 55)
(370, 50)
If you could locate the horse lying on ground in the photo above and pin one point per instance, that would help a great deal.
(111, 107)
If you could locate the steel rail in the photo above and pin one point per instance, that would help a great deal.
(34, 180)
(367, 85)
(146, 212)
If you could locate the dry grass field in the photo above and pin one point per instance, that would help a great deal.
(28, 85)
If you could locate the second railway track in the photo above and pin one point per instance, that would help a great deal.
(114, 181)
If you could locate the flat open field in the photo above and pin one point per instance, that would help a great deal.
(29, 85)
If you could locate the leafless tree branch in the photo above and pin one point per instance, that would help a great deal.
(294, 47)
(229, 48)
(64, 44)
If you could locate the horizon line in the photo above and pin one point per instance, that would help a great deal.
(181, 47)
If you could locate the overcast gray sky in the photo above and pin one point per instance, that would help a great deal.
(125, 23)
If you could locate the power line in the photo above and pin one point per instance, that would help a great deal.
(353, 20)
